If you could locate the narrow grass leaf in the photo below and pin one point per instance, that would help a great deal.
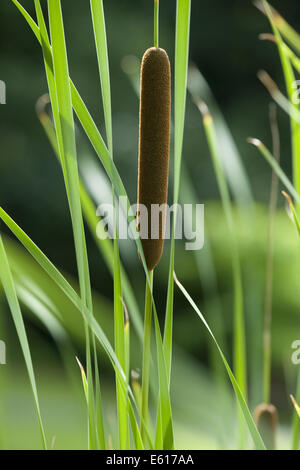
(239, 349)
(290, 81)
(276, 167)
(296, 423)
(296, 406)
(278, 97)
(283, 26)
(97, 231)
(231, 159)
(181, 68)
(61, 76)
(97, 142)
(60, 95)
(293, 211)
(240, 397)
(68, 290)
(83, 378)
(101, 150)
(102, 56)
(10, 292)
(103, 64)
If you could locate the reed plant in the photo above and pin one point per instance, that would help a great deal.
(144, 410)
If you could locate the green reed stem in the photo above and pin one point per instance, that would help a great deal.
(146, 354)
(156, 23)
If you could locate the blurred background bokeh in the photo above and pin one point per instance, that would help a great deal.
(226, 49)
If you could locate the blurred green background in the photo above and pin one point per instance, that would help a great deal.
(226, 49)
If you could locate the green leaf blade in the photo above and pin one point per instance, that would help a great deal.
(11, 295)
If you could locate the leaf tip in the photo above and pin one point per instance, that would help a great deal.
(80, 365)
(41, 104)
(267, 37)
(288, 198)
(296, 406)
(203, 108)
(254, 141)
(126, 314)
(267, 81)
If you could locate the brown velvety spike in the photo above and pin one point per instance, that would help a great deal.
(154, 146)
(266, 419)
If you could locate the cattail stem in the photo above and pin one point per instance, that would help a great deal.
(156, 23)
(146, 355)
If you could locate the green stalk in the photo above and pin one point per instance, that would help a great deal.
(98, 399)
(120, 352)
(146, 354)
(127, 342)
(156, 23)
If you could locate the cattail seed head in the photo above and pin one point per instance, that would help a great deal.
(154, 144)
(266, 419)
